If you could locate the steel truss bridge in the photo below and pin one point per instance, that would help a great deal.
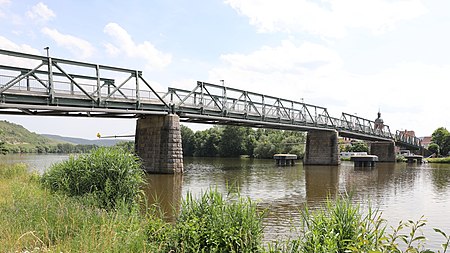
(38, 85)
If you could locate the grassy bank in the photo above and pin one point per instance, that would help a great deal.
(45, 215)
(439, 160)
(35, 220)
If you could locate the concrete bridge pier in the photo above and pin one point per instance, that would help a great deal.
(321, 148)
(385, 150)
(158, 143)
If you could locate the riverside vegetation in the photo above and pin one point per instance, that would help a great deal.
(77, 206)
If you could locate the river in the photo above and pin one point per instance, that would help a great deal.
(401, 191)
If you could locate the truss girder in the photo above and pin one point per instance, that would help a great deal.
(60, 87)
(57, 81)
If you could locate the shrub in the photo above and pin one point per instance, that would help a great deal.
(106, 175)
(213, 223)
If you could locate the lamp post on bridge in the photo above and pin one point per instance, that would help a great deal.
(47, 49)
(50, 76)
(224, 96)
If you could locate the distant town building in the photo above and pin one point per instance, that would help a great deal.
(379, 123)
(426, 141)
(409, 133)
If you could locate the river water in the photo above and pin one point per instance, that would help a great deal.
(401, 191)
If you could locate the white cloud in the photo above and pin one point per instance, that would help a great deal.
(287, 65)
(316, 73)
(40, 13)
(3, 5)
(124, 43)
(14, 61)
(24, 48)
(79, 47)
(111, 49)
(326, 17)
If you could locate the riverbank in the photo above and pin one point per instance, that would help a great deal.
(49, 222)
(34, 220)
(438, 160)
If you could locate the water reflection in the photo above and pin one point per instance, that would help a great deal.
(441, 177)
(321, 181)
(165, 190)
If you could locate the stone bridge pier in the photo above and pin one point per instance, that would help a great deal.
(158, 143)
(321, 148)
(385, 150)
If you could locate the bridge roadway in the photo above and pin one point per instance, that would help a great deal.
(37, 85)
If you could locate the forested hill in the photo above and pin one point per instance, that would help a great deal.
(98, 142)
(14, 134)
(15, 138)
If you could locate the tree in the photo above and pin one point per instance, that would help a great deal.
(250, 142)
(232, 141)
(357, 147)
(187, 137)
(206, 143)
(433, 148)
(265, 148)
(3, 149)
(441, 137)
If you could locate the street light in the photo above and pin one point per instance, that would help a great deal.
(46, 49)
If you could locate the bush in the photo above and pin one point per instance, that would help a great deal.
(106, 175)
(215, 224)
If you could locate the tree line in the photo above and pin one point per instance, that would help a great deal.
(234, 141)
(65, 148)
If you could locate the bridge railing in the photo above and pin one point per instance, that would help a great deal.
(361, 125)
(403, 137)
(207, 98)
(55, 79)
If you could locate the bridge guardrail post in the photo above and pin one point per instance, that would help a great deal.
(51, 88)
(99, 87)
(138, 97)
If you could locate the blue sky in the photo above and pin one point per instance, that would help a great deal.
(353, 56)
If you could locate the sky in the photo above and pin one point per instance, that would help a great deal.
(352, 56)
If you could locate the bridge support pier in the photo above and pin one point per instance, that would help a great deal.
(158, 143)
(321, 148)
(384, 150)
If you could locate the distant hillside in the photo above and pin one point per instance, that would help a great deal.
(15, 138)
(99, 142)
(14, 134)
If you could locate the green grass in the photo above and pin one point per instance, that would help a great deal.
(35, 220)
(438, 160)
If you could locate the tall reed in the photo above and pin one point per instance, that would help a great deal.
(213, 223)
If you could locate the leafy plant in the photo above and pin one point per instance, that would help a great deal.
(107, 175)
